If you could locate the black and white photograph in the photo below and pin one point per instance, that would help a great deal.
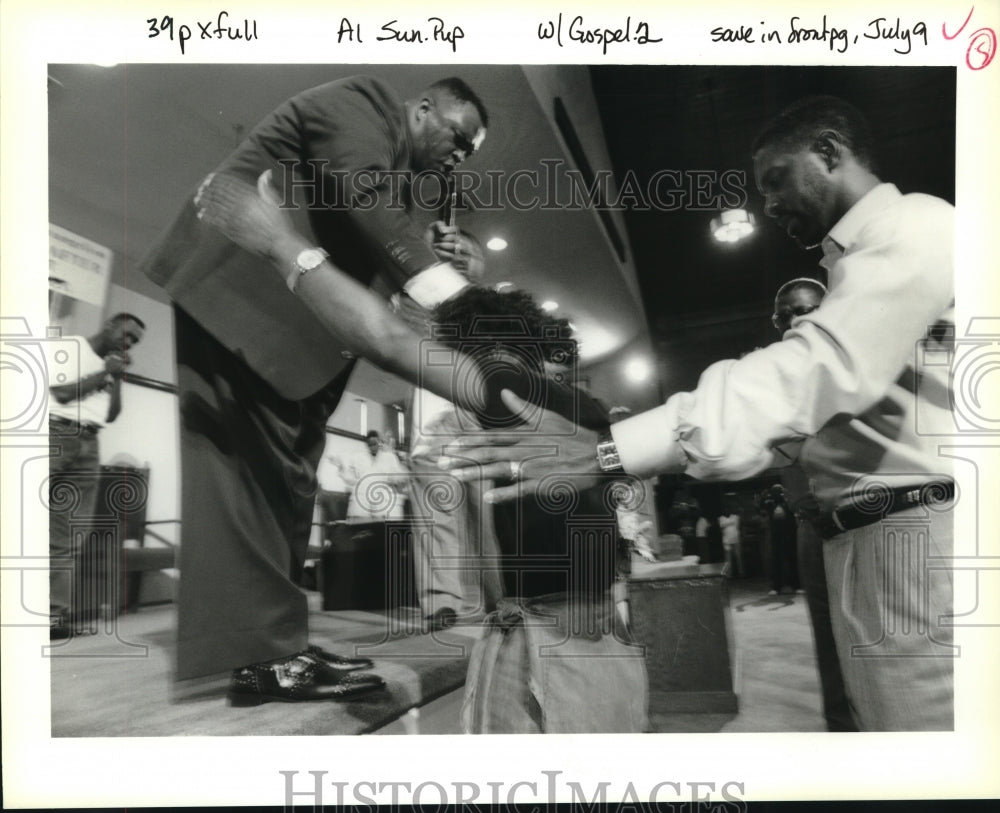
(639, 394)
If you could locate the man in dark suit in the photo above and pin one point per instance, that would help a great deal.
(259, 375)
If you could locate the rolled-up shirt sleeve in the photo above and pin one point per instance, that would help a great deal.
(888, 287)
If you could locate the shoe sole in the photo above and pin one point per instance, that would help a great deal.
(240, 700)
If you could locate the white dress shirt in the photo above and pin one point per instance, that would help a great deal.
(730, 526)
(328, 473)
(852, 376)
(93, 407)
(377, 482)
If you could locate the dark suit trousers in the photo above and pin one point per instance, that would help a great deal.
(248, 473)
(836, 708)
(74, 472)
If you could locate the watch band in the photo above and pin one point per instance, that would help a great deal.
(304, 262)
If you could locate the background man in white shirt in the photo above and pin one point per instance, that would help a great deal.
(729, 524)
(378, 482)
(78, 410)
(333, 493)
(842, 378)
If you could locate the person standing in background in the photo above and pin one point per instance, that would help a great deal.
(701, 528)
(797, 298)
(784, 560)
(732, 544)
(334, 493)
(378, 482)
(452, 536)
(78, 410)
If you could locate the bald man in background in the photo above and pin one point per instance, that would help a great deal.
(797, 298)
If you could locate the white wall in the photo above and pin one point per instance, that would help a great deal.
(147, 433)
(347, 416)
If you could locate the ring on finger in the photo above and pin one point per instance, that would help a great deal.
(515, 470)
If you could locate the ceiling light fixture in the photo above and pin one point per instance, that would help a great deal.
(595, 341)
(496, 244)
(732, 225)
(637, 370)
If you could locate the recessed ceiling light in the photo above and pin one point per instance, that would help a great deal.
(548, 305)
(732, 225)
(637, 370)
(496, 244)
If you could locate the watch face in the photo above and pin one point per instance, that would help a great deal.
(309, 259)
(607, 456)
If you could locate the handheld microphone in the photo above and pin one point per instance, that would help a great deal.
(450, 203)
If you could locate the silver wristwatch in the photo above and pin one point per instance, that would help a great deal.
(305, 261)
(607, 454)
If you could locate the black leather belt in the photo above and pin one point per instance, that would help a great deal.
(880, 502)
(66, 426)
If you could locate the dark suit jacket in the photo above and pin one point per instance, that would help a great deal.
(316, 143)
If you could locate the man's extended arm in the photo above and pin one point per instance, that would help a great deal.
(114, 364)
(729, 427)
(886, 291)
(115, 406)
(347, 309)
(65, 393)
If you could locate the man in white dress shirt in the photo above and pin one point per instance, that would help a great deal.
(78, 410)
(843, 378)
(378, 481)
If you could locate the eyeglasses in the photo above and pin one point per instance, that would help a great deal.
(461, 140)
(785, 315)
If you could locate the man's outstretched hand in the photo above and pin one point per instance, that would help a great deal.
(553, 445)
(244, 215)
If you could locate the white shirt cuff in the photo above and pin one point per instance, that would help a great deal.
(647, 442)
(434, 285)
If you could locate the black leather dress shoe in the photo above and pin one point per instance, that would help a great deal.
(339, 662)
(441, 619)
(296, 679)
